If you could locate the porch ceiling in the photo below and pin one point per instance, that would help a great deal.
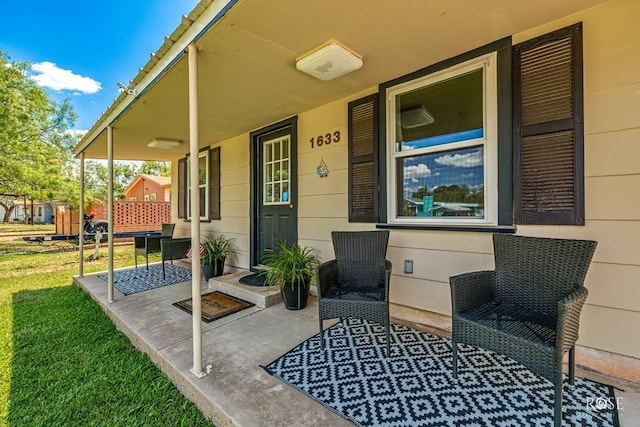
(247, 74)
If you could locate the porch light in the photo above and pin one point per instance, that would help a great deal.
(329, 61)
(163, 143)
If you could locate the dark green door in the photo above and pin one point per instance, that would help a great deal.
(274, 190)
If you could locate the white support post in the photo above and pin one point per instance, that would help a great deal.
(195, 212)
(109, 214)
(81, 220)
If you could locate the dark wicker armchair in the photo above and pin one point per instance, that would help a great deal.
(173, 249)
(528, 308)
(356, 282)
(145, 245)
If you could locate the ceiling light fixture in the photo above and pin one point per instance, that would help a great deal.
(163, 143)
(329, 61)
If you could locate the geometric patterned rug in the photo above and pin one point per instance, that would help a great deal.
(133, 280)
(415, 385)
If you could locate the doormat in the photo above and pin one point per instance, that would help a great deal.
(414, 386)
(215, 305)
(255, 279)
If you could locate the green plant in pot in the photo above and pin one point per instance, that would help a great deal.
(216, 251)
(291, 268)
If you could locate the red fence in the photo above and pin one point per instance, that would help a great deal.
(127, 216)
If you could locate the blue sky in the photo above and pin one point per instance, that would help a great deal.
(79, 50)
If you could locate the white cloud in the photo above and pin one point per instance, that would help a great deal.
(419, 171)
(51, 76)
(467, 160)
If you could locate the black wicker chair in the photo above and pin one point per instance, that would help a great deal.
(528, 308)
(356, 282)
(145, 245)
(173, 249)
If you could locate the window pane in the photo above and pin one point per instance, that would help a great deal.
(276, 193)
(268, 175)
(443, 112)
(202, 170)
(268, 196)
(445, 184)
(276, 150)
(203, 202)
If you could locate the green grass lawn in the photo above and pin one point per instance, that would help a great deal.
(63, 363)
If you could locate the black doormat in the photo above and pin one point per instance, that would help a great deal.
(255, 279)
(414, 386)
(215, 305)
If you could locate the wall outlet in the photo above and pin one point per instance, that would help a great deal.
(408, 266)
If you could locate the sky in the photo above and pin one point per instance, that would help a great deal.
(80, 50)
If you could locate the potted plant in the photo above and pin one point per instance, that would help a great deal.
(291, 268)
(215, 252)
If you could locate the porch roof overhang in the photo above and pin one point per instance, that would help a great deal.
(247, 53)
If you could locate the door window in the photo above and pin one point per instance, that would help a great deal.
(277, 168)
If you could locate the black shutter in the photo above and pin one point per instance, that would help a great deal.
(182, 188)
(363, 159)
(214, 183)
(548, 130)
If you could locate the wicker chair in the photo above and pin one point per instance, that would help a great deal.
(528, 308)
(145, 245)
(173, 249)
(356, 282)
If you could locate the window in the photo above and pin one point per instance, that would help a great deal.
(146, 198)
(548, 129)
(153, 197)
(208, 185)
(277, 170)
(442, 145)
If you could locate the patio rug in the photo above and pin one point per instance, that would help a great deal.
(133, 280)
(415, 386)
(215, 305)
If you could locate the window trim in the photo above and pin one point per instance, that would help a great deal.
(489, 63)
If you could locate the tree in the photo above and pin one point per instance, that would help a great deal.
(97, 178)
(420, 193)
(156, 168)
(35, 147)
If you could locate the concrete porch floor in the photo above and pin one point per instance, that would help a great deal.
(238, 392)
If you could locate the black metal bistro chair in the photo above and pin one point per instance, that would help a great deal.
(528, 308)
(356, 282)
(145, 245)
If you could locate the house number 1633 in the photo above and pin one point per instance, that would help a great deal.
(326, 139)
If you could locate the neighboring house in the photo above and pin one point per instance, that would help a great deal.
(526, 110)
(43, 212)
(149, 188)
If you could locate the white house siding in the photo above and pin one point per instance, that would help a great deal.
(612, 150)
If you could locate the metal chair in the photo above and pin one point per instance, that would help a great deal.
(528, 308)
(145, 245)
(356, 282)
